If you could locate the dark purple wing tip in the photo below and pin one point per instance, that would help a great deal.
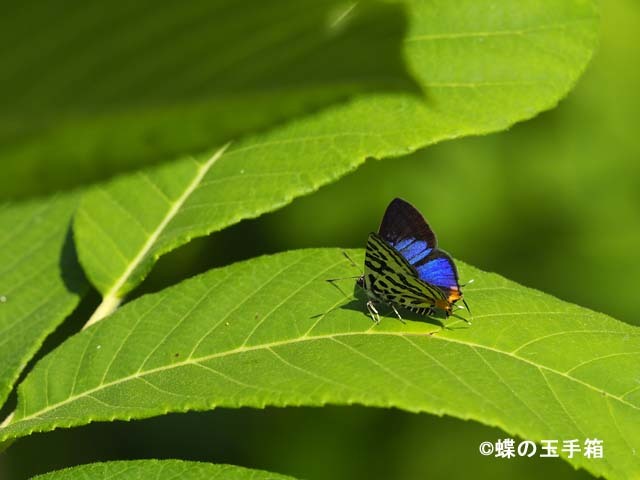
(402, 220)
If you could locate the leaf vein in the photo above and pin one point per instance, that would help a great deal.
(496, 33)
(453, 374)
(592, 360)
(555, 334)
(510, 389)
(302, 340)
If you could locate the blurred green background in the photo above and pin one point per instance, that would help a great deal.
(554, 203)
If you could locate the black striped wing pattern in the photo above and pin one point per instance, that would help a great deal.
(389, 278)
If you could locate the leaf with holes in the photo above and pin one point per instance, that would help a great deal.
(273, 331)
(144, 469)
(479, 72)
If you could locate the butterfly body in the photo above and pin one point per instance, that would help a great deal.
(404, 268)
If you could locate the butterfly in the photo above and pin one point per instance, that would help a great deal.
(404, 268)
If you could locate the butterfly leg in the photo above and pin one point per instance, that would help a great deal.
(460, 318)
(397, 314)
(373, 312)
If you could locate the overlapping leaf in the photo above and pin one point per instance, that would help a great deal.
(479, 71)
(40, 279)
(266, 172)
(160, 470)
(52, 127)
(272, 331)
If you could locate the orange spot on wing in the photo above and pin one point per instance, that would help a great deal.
(454, 296)
(445, 304)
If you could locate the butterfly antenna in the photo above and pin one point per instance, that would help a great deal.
(469, 282)
(333, 281)
(346, 255)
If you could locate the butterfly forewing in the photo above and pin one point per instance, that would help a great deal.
(404, 228)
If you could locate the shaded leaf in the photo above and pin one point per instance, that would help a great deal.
(40, 279)
(160, 469)
(272, 331)
(110, 87)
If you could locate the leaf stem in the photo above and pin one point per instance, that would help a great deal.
(7, 420)
(112, 298)
(108, 305)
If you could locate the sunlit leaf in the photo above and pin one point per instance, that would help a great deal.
(273, 331)
(160, 470)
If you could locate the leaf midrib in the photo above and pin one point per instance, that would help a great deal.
(499, 33)
(112, 298)
(171, 213)
(266, 346)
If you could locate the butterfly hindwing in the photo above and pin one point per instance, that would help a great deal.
(438, 269)
(390, 278)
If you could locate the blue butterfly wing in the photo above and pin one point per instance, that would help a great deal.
(438, 269)
(405, 229)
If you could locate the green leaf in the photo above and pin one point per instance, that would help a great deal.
(273, 331)
(160, 469)
(123, 228)
(480, 72)
(40, 279)
(110, 87)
